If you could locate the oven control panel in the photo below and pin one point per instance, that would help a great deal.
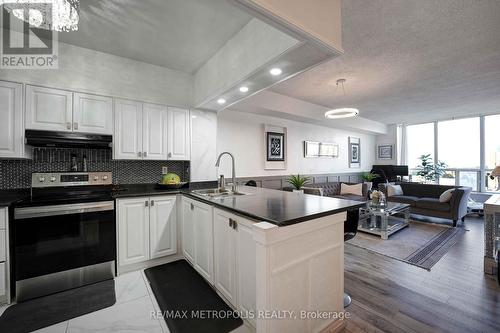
(57, 179)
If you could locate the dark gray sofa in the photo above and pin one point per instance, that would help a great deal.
(333, 190)
(424, 200)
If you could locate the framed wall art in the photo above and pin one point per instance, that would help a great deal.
(385, 152)
(354, 152)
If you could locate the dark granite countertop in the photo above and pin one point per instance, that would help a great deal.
(279, 207)
(9, 197)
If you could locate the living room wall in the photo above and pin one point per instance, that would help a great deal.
(242, 134)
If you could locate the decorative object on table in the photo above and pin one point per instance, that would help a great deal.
(378, 198)
(275, 149)
(496, 173)
(368, 178)
(314, 149)
(429, 170)
(298, 182)
(385, 152)
(171, 181)
(354, 152)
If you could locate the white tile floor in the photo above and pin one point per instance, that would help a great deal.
(132, 312)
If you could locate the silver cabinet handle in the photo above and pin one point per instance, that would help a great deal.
(169, 154)
(231, 223)
(235, 225)
(139, 154)
(192, 206)
(152, 203)
(145, 154)
(146, 203)
(68, 125)
(75, 126)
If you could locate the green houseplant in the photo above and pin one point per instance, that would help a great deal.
(429, 170)
(297, 181)
(368, 177)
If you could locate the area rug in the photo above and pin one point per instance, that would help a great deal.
(421, 244)
(52, 309)
(188, 302)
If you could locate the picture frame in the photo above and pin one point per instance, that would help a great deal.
(313, 149)
(385, 152)
(275, 147)
(354, 152)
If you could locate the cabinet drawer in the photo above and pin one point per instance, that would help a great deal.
(3, 287)
(2, 245)
(3, 218)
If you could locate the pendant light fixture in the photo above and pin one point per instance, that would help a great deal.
(341, 112)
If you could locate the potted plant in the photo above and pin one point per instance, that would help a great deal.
(298, 182)
(429, 170)
(368, 177)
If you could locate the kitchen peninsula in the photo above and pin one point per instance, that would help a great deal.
(266, 251)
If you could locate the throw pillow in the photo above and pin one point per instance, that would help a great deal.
(356, 189)
(393, 190)
(446, 195)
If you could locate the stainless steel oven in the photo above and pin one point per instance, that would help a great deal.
(59, 245)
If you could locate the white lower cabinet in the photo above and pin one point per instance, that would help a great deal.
(4, 256)
(197, 236)
(235, 260)
(146, 228)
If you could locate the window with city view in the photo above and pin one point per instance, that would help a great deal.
(458, 144)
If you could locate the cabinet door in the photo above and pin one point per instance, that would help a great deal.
(162, 226)
(133, 231)
(188, 216)
(204, 241)
(128, 130)
(179, 134)
(154, 132)
(92, 114)
(3, 280)
(246, 266)
(11, 120)
(49, 109)
(225, 255)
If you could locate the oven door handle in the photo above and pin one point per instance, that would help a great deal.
(43, 211)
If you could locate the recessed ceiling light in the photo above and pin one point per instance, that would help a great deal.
(243, 89)
(221, 101)
(341, 113)
(276, 71)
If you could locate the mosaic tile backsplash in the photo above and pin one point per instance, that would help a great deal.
(16, 174)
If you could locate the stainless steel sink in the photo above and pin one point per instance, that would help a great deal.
(215, 193)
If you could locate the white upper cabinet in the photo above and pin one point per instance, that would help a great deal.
(154, 133)
(49, 109)
(179, 134)
(11, 120)
(92, 114)
(127, 139)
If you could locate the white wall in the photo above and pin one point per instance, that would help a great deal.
(390, 138)
(242, 134)
(96, 72)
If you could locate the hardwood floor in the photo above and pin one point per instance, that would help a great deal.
(392, 296)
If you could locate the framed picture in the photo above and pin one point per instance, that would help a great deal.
(354, 152)
(275, 143)
(385, 152)
(320, 149)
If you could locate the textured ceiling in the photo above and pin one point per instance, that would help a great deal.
(411, 61)
(178, 34)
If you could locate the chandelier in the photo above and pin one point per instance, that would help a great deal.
(341, 112)
(65, 13)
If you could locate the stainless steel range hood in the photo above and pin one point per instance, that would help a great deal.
(67, 140)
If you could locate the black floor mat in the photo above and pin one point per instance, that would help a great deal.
(52, 309)
(188, 302)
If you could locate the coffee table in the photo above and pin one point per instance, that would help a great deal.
(382, 220)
